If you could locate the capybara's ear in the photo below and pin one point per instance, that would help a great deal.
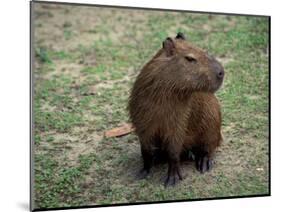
(180, 35)
(169, 46)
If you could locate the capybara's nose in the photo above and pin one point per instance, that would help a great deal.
(218, 70)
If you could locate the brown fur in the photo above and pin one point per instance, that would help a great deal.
(173, 106)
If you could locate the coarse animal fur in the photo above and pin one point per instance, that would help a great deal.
(173, 107)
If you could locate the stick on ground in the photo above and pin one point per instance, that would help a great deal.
(119, 131)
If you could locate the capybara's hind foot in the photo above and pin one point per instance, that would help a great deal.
(187, 156)
(203, 164)
(142, 174)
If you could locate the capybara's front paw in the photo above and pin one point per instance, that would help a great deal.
(203, 164)
(173, 178)
(170, 181)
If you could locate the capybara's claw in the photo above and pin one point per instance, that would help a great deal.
(204, 164)
(171, 181)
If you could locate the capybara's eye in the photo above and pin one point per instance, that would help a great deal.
(190, 59)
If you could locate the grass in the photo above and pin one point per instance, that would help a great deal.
(83, 73)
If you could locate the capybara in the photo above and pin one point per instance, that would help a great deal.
(173, 107)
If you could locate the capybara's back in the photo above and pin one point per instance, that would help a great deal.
(173, 106)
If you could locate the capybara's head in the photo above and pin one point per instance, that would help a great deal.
(183, 66)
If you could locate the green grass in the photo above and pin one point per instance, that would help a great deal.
(82, 82)
(55, 184)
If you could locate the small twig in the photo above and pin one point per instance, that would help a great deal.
(119, 131)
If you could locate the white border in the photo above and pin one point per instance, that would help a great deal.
(14, 112)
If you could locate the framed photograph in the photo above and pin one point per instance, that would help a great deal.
(140, 106)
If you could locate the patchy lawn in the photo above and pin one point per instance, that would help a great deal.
(86, 60)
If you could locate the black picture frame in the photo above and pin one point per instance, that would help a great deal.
(137, 203)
